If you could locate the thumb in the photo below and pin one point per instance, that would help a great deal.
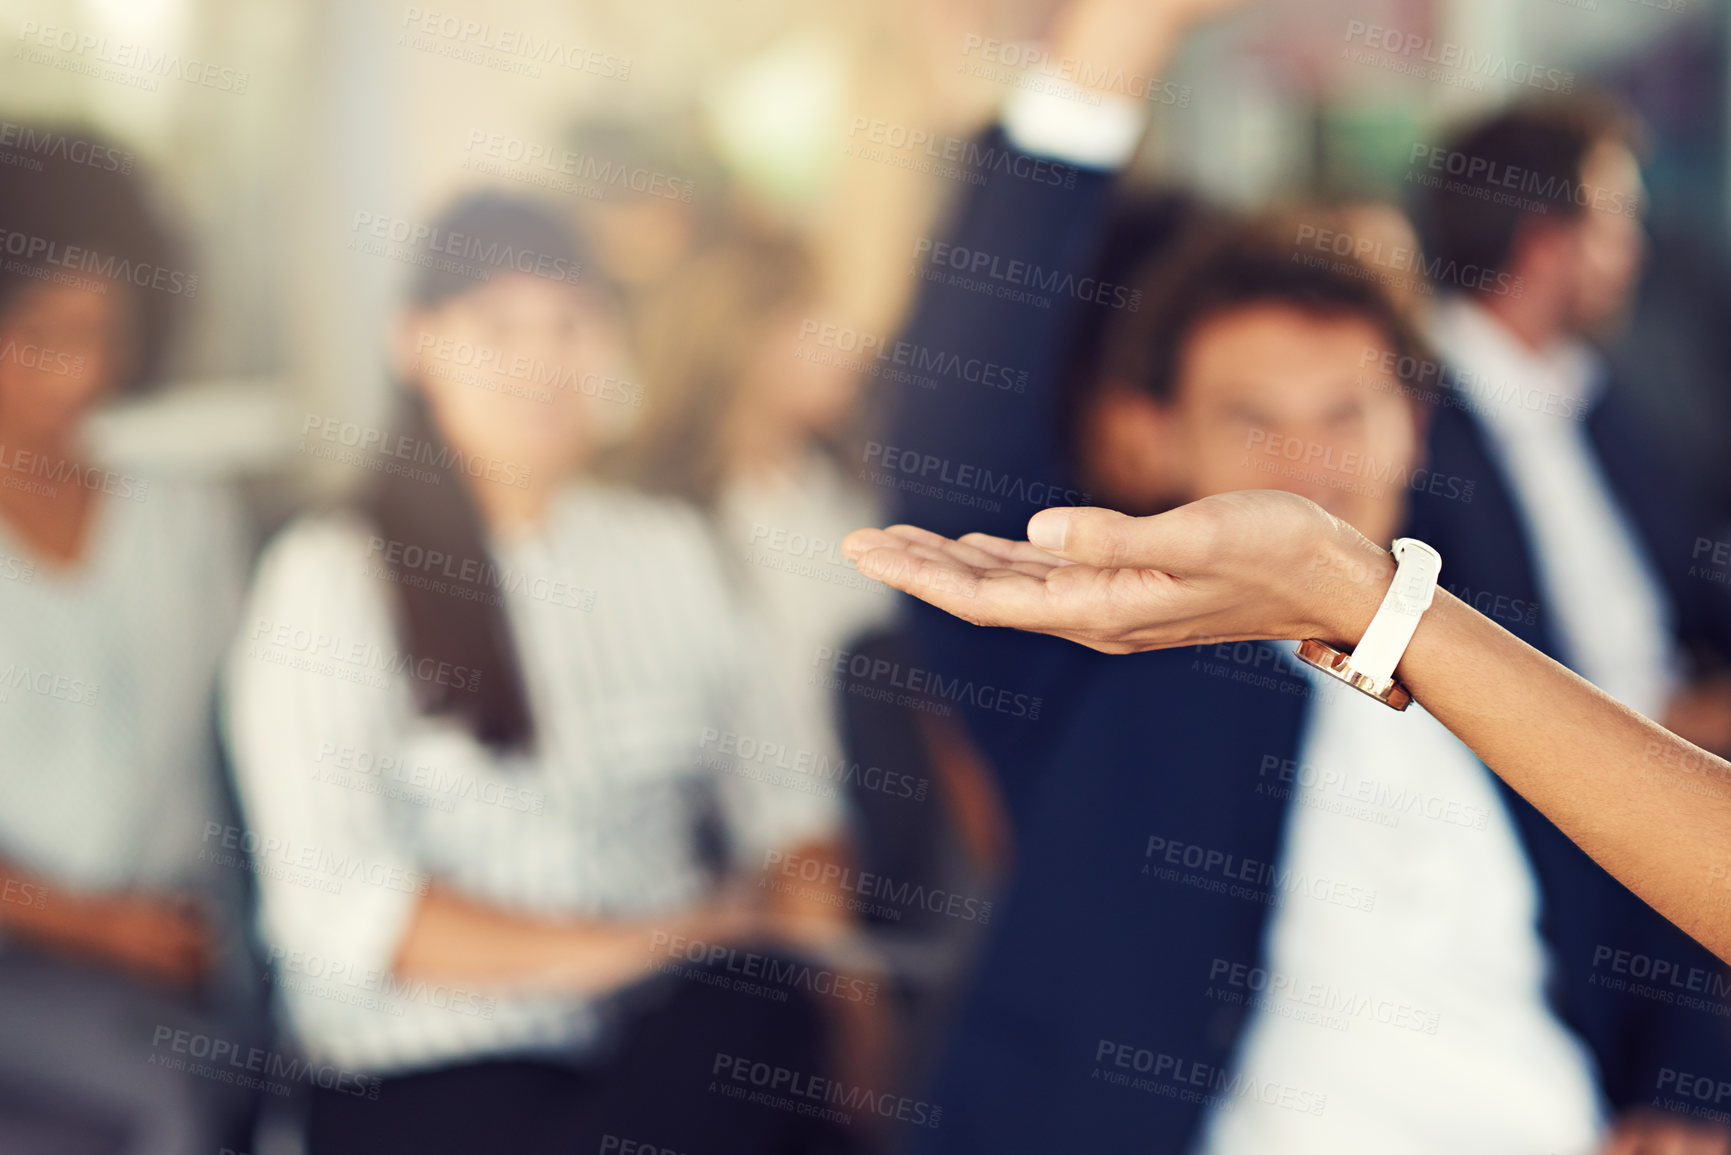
(1106, 539)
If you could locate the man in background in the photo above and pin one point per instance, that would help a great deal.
(1581, 517)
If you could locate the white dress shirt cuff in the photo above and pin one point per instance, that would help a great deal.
(1069, 126)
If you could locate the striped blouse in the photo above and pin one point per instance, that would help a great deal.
(641, 673)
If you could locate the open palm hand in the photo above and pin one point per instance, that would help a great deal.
(1246, 565)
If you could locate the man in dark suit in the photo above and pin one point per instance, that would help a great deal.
(1585, 521)
(1241, 914)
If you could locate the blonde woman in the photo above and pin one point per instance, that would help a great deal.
(749, 414)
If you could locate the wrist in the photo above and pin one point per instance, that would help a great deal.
(1352, 579)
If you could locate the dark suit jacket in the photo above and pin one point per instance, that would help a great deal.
(1087, 953)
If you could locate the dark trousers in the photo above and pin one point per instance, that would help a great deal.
(668, 1086)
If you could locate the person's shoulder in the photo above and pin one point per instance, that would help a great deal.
(615, 512)
(320, 537)
(318, 558)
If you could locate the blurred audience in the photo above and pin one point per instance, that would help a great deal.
(755, 421)
(121, 926)
(579, 795)
(562, 662)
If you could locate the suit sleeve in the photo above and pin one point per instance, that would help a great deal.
(973, 442)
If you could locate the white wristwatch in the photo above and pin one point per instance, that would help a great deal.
(1370, 667)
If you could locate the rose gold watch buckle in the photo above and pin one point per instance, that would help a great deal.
(1338, 665)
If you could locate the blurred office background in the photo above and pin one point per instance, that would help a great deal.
(324, 110)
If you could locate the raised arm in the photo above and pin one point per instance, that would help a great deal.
(1651, 808)
(975, 443)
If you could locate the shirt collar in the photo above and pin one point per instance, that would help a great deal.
(1476, 343)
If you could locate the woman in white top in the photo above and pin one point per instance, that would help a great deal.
(485, 730)
(754, 415)
(118, 594)
(749, 416)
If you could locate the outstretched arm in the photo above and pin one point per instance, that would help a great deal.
(1651, 808)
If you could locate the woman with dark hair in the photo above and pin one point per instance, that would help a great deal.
(488, 729)
(118, 594)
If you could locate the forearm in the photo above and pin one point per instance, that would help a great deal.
(34, 909)
(815, 912)
(454, 939)
(1651, 808)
